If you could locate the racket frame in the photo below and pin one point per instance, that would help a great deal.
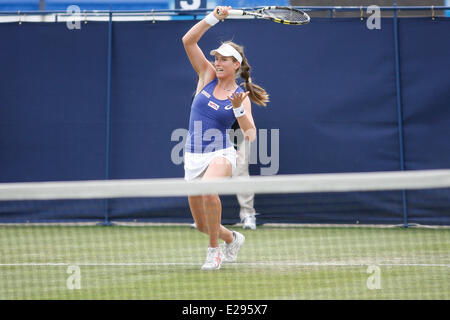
(260, 14)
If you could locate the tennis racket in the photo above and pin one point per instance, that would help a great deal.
(277, 14)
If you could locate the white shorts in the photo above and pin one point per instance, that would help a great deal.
(196, 163)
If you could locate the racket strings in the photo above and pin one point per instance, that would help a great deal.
(287, 15)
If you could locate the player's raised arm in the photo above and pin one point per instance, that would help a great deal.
(190, 41)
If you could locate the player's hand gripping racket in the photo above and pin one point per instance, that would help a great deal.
(277, 14)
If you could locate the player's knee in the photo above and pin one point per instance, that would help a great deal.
(210, 200)
(202, 227)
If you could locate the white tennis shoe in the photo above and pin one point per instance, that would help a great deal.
(249, 222)
(232, 248)
(214, 259)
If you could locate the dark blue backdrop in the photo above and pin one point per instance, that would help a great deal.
(333, 98)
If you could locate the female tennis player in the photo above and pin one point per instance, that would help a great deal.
(209, 153)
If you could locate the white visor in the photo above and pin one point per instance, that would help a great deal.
(227, 50)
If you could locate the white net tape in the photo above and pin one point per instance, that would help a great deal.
(302, 183)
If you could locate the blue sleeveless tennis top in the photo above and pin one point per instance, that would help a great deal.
(209, 121)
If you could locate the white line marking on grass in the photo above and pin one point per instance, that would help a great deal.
(252, 264)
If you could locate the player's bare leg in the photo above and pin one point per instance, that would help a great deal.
(198, 213)
(212, 206)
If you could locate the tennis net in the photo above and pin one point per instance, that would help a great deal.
(319, 236)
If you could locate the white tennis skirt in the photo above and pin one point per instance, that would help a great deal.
(196, 163)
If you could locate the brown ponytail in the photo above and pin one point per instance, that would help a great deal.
(256, 93)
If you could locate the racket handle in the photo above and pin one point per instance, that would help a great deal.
(233, 12)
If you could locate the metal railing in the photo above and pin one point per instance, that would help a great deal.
(200, 12)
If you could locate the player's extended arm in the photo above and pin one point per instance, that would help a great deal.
(190, 40)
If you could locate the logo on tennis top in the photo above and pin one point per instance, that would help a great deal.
(228, 107)
(213, 105)
(206, 94)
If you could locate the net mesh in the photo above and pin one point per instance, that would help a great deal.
(331, 236)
